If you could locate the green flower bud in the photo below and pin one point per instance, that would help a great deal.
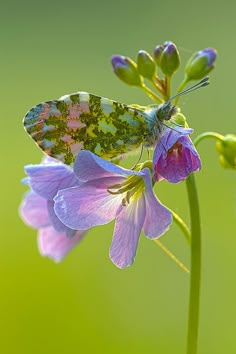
(227, 151)
(180, 120)
(170, 59)
(200, 64)
(126, 70)
(146, 65)
(158, 53)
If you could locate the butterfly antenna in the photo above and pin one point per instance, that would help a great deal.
(202, 83)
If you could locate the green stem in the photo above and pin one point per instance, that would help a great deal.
(182, 226)
(157, 86)
(168, 87)
(207, 135)
(151, 94)
(195, 275)
(180, 89)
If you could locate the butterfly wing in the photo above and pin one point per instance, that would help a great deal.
(61, 128)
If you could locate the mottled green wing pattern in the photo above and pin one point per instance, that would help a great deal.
(61, 128)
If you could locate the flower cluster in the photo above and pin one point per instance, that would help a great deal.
(65, 202)
(166, 58)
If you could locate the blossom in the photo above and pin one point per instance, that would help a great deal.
(109, 192)
(175, 156)
(55, 239)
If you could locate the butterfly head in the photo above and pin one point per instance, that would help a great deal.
(166, 111)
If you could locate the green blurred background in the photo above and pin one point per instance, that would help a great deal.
(85, 304)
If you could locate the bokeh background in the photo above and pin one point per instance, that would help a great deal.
(85, 304)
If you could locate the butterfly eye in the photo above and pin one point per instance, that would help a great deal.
(164, 110)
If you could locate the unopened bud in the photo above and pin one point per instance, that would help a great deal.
(227, 151)
(200, 64)
(126, 70)
(158, 53)
(146, 65)
(170, 59)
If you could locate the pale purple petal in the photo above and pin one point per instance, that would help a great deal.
(88, 205)
(56, 245)
(128, 226)
(179, 129)
(89, 166)
(33, 210)
(56, 223)
(158, 218)
(50, 160)
(47, 179)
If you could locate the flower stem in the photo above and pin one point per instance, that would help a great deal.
(151, 94)
(180, 89)
(171, 255)
(182, 226)
(167, 87)
(157, 86)
(195, 275)
(207, 135)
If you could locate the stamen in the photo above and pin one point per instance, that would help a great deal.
(131, 186)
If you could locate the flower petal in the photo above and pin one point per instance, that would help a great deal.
(89, 204)
(33, 210)
(88, 166)
(158, 218)
(56, 223)
(168, 139)
(175, 163)
(129, 223)
(56, 245)
(47, 179)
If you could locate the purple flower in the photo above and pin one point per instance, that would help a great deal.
(175, 156)
(110, 192)
(55, 239)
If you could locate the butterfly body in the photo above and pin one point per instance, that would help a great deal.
(63, 127)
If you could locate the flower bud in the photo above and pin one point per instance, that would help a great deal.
(227, 151)
(200, 64)
(180, 119)
(126, 70)
(158, 53)
(170, 59)
(146, 65)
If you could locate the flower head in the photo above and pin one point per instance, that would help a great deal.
(146, 65)
(158, 50)
(110, 192)
(55, 239)
(200, 64)
(126, 70)
(170, 59)
(175, 156)
(227, 151)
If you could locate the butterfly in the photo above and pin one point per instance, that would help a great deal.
(63, 127)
